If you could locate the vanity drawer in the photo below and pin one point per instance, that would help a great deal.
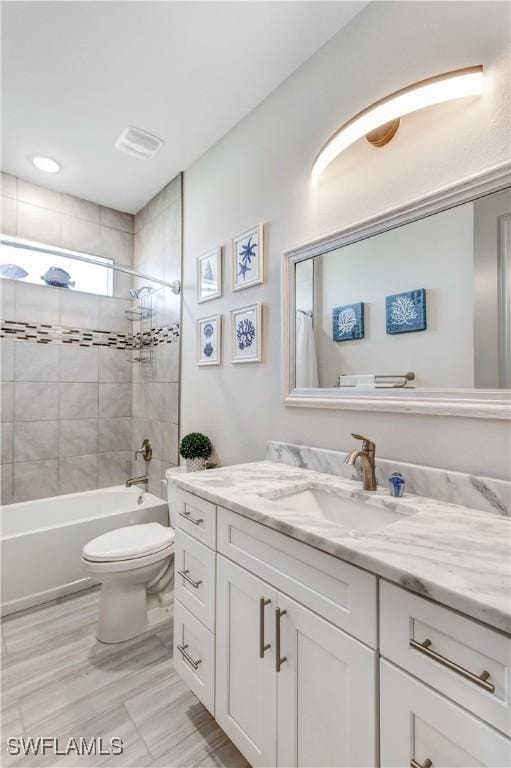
(197, 517)
(194, 581)
(194, 655)
(417, 724)
(341, 593)
(460, 650)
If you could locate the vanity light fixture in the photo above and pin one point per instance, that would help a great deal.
(379, 122)
(46, 164)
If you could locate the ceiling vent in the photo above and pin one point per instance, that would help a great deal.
(138, 143)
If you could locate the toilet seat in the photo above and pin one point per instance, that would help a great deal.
(149, 541)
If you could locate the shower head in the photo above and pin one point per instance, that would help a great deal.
(136, 293)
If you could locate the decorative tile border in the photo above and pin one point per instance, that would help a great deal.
(40, 333)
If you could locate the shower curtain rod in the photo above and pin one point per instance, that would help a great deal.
(175, 286)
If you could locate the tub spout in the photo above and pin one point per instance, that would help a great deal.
(136, 480)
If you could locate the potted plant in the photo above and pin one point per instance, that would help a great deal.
(195, 448)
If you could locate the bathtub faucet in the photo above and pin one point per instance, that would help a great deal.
(136, 480)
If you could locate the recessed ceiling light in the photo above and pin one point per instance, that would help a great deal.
(46, 164)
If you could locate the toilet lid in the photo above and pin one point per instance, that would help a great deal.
(127, 543)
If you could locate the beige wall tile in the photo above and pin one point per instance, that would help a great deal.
(39, 224)
(40, 196)
(81, 209)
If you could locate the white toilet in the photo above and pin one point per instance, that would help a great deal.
(135, 566)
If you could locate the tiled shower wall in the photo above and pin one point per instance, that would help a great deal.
(72, 413)
(156, 388)
(66, 409)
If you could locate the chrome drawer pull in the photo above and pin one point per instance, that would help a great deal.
(481, 680)
(188, 516)
(278, 661)
(262, 646)
(184, 575)
(426, 764)
(186, 656)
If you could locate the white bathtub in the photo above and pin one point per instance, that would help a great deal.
(41, 541)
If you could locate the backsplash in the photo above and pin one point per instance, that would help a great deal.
(484, 493)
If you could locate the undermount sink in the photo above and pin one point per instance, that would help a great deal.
(346, 512)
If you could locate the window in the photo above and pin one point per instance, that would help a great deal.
(91, 274)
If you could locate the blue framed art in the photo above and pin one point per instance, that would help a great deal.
(348, 322)
(248, 258)
(209, 340)
(406, 312)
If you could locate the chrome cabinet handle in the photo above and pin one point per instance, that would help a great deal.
(426, 764)
(186, 656)
(262, 646)
(184, 575)
(481, 680)
(188, 516)
(278, 660)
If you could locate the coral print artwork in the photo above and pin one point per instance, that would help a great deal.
(209, 340)
(348, 322)
(406, 312)
(248, 259)
(246, 334)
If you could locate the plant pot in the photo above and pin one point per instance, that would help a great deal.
(195, 465)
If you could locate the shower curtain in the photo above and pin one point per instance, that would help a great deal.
(306, 361)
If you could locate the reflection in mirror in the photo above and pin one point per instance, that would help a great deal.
(424, 305)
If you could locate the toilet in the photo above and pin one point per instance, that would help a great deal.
(135, 566)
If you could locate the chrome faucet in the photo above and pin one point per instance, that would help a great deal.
(146, 451)
(135, 480)
(367, 455)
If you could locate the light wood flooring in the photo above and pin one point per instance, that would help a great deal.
(59, 681)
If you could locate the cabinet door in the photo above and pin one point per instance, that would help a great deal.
(246, 686)
(419, 725)
(327, 696)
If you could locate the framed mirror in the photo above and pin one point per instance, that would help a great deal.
(409, 311)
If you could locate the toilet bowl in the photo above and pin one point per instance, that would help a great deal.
(135, 566)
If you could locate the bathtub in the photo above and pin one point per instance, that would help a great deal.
(41, 541)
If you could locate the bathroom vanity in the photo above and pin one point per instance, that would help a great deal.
(325, 626)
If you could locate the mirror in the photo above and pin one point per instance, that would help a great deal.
(421, 307)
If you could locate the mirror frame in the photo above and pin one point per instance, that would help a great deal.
(481, 403)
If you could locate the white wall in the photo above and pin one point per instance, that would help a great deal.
(260, 171)
(435, 253)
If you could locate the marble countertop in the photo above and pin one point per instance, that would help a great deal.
(456, 555)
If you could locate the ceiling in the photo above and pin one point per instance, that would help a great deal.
(74, 74)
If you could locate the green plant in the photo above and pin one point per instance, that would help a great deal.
(195, 445)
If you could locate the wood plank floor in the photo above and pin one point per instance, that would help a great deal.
(58, 681)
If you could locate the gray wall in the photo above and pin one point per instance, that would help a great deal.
(66, 410)
(156, 389)
(260, 172)
(434, 253)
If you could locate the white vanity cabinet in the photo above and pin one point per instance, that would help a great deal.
(246, 701)
(291, 689)
(326, 693)
(306, 660)
(422, 729)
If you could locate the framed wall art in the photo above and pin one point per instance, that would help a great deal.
(246, 334)
(209, 340)
(248, 258)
